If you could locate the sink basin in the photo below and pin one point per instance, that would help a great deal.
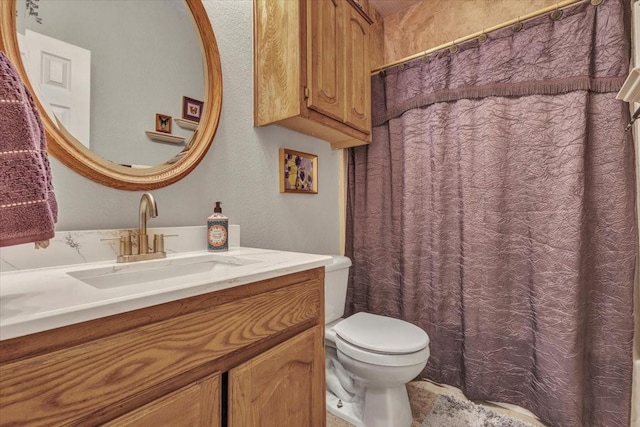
(163, 272)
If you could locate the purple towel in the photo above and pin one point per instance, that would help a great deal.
(28, 208)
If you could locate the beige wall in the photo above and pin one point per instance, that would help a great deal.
(430, 23)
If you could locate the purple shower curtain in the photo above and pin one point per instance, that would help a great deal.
(495, 209)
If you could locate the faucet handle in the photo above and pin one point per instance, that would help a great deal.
(160, 238)
(125, 244)
(158, 243)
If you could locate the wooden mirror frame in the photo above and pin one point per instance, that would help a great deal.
(66, 148)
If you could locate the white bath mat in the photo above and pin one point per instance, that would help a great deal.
(451, 412)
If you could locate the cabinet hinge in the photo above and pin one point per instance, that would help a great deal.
(306, 92)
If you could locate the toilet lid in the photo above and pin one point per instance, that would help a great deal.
(382, 334)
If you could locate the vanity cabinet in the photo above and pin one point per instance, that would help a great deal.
(257, 349)
(311, 68)
(196, 405)
(280, 384)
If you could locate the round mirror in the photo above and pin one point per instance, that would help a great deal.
(155, 87)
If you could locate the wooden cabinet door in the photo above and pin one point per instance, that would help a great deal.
(284, 386)
(358, 72)
(276, 60)
(196, 405)
(325, 57)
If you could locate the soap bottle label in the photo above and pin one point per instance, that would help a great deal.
(217, 235)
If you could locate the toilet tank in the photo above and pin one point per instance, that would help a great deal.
(335, 287)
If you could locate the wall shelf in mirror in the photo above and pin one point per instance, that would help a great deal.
(63, 145)
(186, 124)
(165, 137)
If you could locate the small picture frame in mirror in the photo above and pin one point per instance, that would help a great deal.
(298, 172)
(163, 123)
(191, 109)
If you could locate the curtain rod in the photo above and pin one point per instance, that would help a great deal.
(453, 44)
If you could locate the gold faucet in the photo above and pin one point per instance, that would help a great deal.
(148, 209)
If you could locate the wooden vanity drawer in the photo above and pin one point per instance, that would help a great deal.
(95, 381)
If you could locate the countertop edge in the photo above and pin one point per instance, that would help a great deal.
(14, 326)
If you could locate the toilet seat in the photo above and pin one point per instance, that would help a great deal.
(381, 340)
(382, 359)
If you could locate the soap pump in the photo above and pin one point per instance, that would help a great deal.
(217, 230)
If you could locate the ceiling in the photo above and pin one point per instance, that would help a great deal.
(389, 7)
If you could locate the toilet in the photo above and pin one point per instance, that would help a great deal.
(369, 359)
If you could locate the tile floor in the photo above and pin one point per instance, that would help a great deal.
(422, 395)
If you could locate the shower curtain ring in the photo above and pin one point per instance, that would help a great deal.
(556, 14)
(596, 2)
(517, 26)
(454, 47)
(482, 37)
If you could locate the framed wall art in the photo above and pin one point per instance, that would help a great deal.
(191, 109)
(163, 123)
(298, 172)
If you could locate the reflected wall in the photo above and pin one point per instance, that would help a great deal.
(145, 56)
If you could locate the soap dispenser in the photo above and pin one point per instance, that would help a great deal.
(217, 230)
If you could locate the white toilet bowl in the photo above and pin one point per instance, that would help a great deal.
(381, 355)
(370, 359)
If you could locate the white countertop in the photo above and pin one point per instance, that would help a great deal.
(41, 299)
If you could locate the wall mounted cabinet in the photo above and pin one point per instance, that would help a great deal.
(253, 354)
(311, 69)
